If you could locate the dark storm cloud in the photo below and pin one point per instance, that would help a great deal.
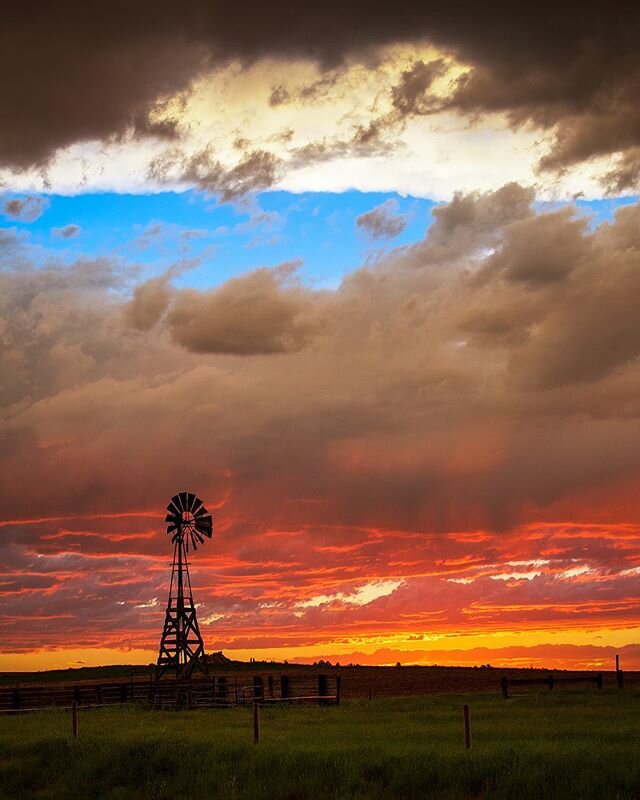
(87, 71)
(75, 71)
(383, 221)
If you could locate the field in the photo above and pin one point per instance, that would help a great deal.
(580, 745)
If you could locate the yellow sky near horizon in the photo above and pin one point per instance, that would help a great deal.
(63, 658)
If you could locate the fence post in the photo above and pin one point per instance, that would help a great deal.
(550, 679)
(16, 697)
(74, 718)
(505, 687)
(620, 678)
(323, 691)
(256, 723)
(599, 680)
(338, 682)
(467, 727)
(369, 694)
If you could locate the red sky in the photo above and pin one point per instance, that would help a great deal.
(555, 594)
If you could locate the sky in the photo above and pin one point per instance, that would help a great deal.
(364, 279)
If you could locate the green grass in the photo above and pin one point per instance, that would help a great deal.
(565, 745)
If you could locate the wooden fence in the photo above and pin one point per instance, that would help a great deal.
(215, 691)
(550, 681)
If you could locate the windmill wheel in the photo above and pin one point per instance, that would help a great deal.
(188, 519)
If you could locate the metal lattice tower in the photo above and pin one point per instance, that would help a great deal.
(181, 645)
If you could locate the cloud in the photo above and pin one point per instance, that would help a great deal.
(383, 221)
(149, 302)
(268, 590)
(573, 74)
(254, 314)
(625, 174)
(83, 81)
(409, 96)
(319, 89)
(483, 371)
(255, 170)
(25, 209)
(66, 232)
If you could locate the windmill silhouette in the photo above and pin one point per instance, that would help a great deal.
(181, 645)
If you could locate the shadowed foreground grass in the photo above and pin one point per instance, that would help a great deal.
(563, 745)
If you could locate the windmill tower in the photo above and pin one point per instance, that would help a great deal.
(181, 645)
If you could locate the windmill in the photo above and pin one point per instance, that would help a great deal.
(181, 645)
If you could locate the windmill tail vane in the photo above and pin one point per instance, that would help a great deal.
(181, 646)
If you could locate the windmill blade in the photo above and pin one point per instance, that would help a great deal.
(173, 509)
(184, 497)
(190, 499)
(196, 505)
(177, 501)
(205, 526)
(200, 512)
(198, 535)
(174, 519)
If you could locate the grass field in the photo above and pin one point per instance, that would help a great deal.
(564, 745)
